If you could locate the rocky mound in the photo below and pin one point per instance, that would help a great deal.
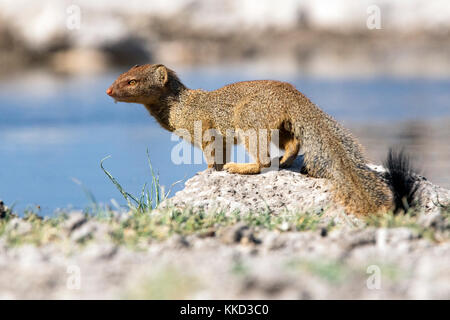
(278, 191)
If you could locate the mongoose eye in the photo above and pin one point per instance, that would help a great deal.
(132, 82)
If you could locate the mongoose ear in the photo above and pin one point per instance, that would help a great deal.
(162, 75)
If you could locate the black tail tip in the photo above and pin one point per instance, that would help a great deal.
(401, 179)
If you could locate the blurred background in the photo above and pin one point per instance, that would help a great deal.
(380, 67)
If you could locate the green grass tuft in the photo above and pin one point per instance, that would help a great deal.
(150, 197)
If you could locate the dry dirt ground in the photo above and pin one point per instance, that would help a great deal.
(232, 237)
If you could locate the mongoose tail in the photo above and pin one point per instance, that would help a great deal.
(401, 179)
(331, 152)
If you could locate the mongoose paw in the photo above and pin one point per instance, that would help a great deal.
(209, 170)
(284, 165)
(214, 167)
(242, 168)
(228, 167)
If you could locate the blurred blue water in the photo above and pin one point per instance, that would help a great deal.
(53, 129)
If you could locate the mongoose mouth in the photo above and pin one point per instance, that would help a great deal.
(111, 93)
(117, 98)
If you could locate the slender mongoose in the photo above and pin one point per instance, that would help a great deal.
(329, 150)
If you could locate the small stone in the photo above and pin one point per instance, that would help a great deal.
(433, 220)
(178, 242)
(284, 226)
(84, 232)
(211, 232)
(3, 209)
(238, 233)
(101, 251)
(273, 241)
(398, 235)
(76, 219)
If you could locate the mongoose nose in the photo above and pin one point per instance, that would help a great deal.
(109, 91)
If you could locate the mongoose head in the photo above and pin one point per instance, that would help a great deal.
(141, 84)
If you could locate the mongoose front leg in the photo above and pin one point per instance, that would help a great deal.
(211, 158)
(216, 160)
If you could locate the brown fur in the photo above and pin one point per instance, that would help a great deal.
(329, 150)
